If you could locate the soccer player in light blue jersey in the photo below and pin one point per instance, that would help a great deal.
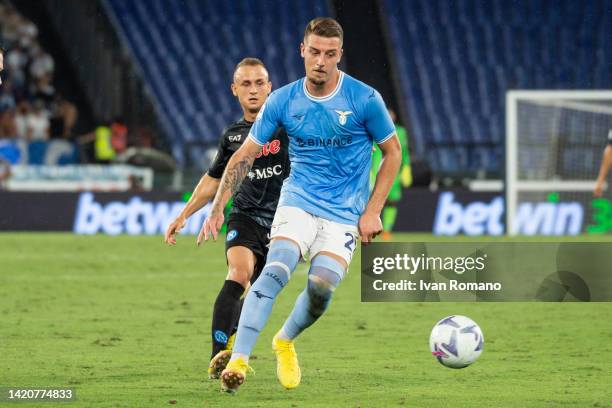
(332, 121)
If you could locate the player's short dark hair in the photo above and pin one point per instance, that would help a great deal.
(324, 27)
(249, 62)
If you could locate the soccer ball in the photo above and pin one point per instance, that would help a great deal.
(456, 341)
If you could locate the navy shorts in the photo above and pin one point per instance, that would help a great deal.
(242, 230)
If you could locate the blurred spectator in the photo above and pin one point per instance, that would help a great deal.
(103, 147)
(1, 63)
(32, 110)
(143, 137)
(63, 118)
(111, 140)
(27, 32)
(10, 24)
(41, 65)
(102, 144)
(8, 126)
(7, 100)
(42, 89)
(7, 107)
(119, 133)
(21, 118)
(5, 173)
(16, 60)
(40, 113)
(37, 122)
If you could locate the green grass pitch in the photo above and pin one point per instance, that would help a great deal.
(125, 321)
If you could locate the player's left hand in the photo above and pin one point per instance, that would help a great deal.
(211, 226)
(369, 226)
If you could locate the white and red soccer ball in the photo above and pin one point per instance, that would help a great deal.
(456, 341)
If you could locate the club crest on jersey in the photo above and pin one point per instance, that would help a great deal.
(342, 116)
(231, 235)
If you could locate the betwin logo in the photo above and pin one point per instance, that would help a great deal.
(481, 218)
(549, 218)
(477, 218)
(134, 217)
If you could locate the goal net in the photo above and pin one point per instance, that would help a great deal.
(554, 146)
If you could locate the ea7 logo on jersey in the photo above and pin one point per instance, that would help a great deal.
(234, 138)
(265, 173)
(342, 116)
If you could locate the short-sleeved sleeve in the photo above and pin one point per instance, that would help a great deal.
(221, 158)
(377, 119)
(268, 120)
(610, 137)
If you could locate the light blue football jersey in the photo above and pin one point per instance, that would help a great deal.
(330, 145)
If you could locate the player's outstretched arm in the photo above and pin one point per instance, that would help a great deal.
(603, 170)
(202, 194)
(236, 170)
(370, 224)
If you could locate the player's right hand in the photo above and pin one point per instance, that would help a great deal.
(174, 228)
(598, 188)
(211, 226)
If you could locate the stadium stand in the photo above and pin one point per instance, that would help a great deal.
(457, 59)
(454, 62)
(187, 52)
(32, 112)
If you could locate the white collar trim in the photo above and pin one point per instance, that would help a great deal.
(327, 97)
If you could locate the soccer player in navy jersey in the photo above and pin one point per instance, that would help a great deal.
(255, 202)
(332, 121)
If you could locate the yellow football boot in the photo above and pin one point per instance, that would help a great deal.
(287, 366)
(234, 375)
(218, 363)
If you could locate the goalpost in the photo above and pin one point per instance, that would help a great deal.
(554, 146)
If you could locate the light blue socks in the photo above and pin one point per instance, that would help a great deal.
(323, 277)
(281, 262)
